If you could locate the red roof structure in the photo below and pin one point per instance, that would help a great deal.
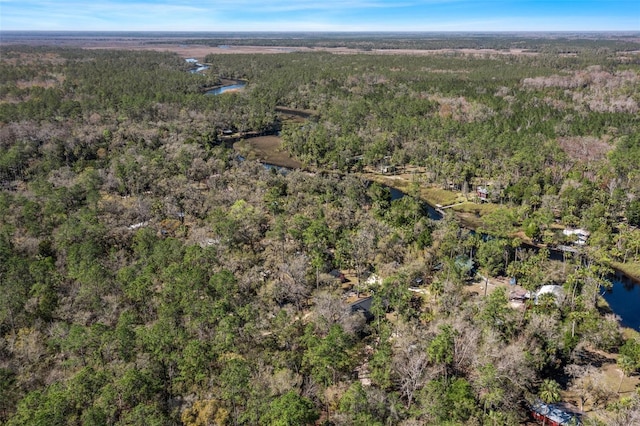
(554, 415)
(482, 192)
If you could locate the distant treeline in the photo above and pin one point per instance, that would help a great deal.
(534, 42)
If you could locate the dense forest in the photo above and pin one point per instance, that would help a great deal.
(551, 43)
(149, 274)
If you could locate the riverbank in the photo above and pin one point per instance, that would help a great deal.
(268, 149)
(225, 83)
(468, 213)
(631, 270)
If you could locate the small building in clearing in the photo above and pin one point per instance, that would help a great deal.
(555, 290)
(581, 235)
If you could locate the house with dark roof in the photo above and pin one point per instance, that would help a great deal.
(364, 306)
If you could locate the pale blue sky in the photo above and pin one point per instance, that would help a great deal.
(321, 15)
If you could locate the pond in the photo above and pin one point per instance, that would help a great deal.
(624, 299)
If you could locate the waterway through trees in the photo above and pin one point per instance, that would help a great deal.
(623, 297)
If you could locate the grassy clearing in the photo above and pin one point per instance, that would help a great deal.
(631, 269)
(441, 196)
(470, 214)
(475, 208)
(393, 181)
(267, 149)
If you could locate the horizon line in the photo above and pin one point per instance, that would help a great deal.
(629, 31)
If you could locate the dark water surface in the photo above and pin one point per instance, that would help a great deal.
(624, 300)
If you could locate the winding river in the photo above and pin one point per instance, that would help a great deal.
(199, 68)
(228, 88)
(623, 298)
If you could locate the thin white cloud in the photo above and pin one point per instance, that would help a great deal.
(165, 6)
(330, 5)
(105, 15)
(120, 6)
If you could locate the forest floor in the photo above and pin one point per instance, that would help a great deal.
(477, 285)
(611, 376)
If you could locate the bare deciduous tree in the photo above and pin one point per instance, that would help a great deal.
(291, 282)
(331, 309)
(410, 362)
